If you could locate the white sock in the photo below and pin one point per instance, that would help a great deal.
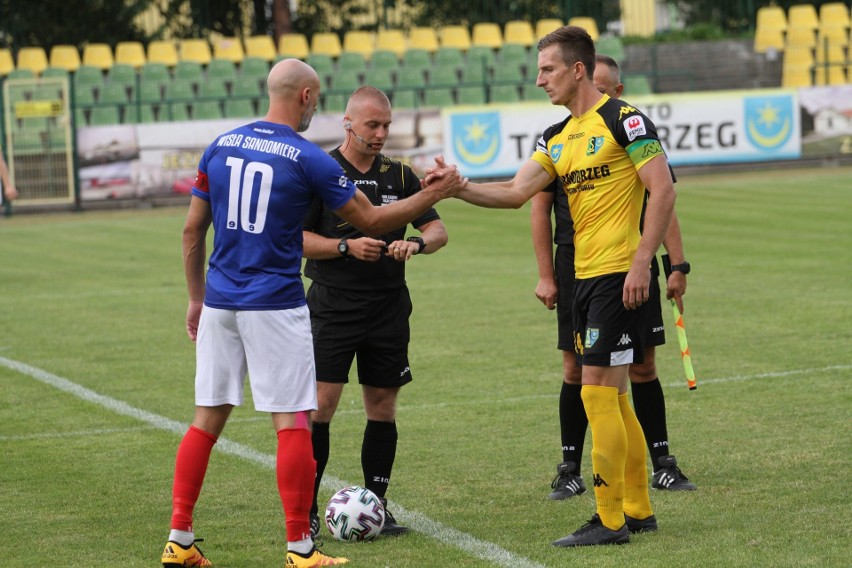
(303, 546)
(183, 538)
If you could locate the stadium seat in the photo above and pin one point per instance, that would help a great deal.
(7, 62)
(326, 43)
(423, 38)
(239, 108)
(443, 76)
(800, 36)
(253, 66)
(65, 56)
(405, 99)
(190, 70)
(514, 53)
(829, 74)
(834, 14)
(487, 34)
(104, 115)
(335, 102)
(508, 73)
(588, 24)
(222, 69)
(391, 40)
(138, 114)
(530, 92)
(54, 72)
(796, 76)
(178, 111)
(89, 75)
(195, 49)
(472, 95)
(636, 84)
(610, 45)
(150, 91)
(803, 16)
(380, 79)
(130, 53)
(505, 94)
(384, 59)
(455, 36)
(771, 18)
(768, 39)
(547, 25)
(213, 88)
(321, 62)
(438, 97)
(247, 89)
(449, 56)
(474, 73)
(179, 90)
(162, 51)
(832, 36)
(262, 47)
(98, 55)
(479, 54)
(418, 58)
(359, 41)
(410, 78)
(122, 73)
(519, 32)
(33, 59)
(293, 45)
(798, 55)
(113, 93)
(152, 71)
(229, 48)
(206, 110)
(353, 61)
(345, 82)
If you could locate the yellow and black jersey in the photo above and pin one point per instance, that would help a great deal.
(597, 156)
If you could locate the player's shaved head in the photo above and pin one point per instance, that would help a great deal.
(290, 76)
(294, 89)
(366, 96)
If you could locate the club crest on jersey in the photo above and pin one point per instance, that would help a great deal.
(595, 143)
(556, 152)
(342, 181)
(634, 126)
(592, 334)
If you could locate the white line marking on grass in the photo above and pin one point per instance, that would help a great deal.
(769, 375)
(481, 549)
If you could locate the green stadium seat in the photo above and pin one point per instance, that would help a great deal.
(350, 61)
(206, 110)
(84, 94)
(405, 99)
(483, 55)
(530, 92)
(122, 73)
(20, 74)
(335, 102)
(178, 112)
(505, 94)
(52, 72)
(438, 97)
(254, 67)
(344, 81)
(213, 88)
(88, 74)
(322, 63)
(611, 46)
(34, 123)
(113, 93)
(104, 115)
(635, 85)
(410, 77)
(513, 53)
(222, 68)
(443, 76)
(239, 108)
(179, 90)
(155, 71)
(419, 58)
(474, 74)
(508, 73)
(472, 95)
(246, 90)
(189, 70)
(380, 79)
(383, 59)
(449, 56)
(80, 118)
(150, 91)
(47, 93)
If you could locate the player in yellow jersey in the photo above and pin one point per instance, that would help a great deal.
(606, 153)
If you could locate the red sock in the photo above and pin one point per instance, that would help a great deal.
(190, 467)
(295, 471)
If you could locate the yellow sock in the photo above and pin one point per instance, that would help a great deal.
(609, 452)
(637, 502)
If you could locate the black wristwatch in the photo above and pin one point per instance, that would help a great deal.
(419, 241)
(682, 267)
(343, 248)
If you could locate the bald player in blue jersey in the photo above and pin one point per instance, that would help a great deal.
(254, 186)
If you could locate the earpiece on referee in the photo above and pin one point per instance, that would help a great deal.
(347, 125)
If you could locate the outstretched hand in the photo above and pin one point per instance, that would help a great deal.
(444, 179)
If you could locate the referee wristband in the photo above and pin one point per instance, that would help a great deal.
(419, 241)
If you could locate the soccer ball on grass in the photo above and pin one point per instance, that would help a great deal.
(354, 514)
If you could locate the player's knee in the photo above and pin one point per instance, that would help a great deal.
(642, 372)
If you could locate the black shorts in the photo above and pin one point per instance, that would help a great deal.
(655, 330)
(370, 325)
(606, 333)
(564, 267)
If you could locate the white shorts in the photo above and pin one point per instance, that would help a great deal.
(274, 346)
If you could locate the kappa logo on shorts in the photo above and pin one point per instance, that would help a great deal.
(592, 334)
(625, 340)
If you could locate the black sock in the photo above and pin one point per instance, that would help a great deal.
(378, 452)
(650, 406)
(572, 423)
(320, 441)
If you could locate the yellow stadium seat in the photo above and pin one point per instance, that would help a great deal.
(162, 51)
(65, 56)
(834, 14)
(771, 18)
(547, 25)
(588, 24)
(519, 32)
(359, 41)
(230, 48)
(764, 40)
(487, 34)
(455, 36)
(802, 15)
(130, 53)
(263, 47)
(798, 55)
(197, 50)
(33, 59)
(98, 55)
(391, 40)
(833, 36)
(326, 43)
(7, 63)
(293, 45)
(801, 36)
(831, 74)
(423, 38)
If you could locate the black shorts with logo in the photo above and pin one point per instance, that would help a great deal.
(371, 325)
(563, 265)
(606, 333)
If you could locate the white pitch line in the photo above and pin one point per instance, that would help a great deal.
(481, 549)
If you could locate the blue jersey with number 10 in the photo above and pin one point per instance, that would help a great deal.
(260, 180)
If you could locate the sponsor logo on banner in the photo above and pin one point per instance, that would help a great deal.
(476, 137)
(635, 127)
(769, 120)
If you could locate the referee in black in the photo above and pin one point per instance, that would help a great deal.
(358, 298)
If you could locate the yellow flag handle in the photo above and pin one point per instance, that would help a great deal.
(685, 355)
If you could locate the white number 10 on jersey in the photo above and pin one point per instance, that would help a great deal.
(241, 191)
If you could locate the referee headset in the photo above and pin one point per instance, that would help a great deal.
(347, 124)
